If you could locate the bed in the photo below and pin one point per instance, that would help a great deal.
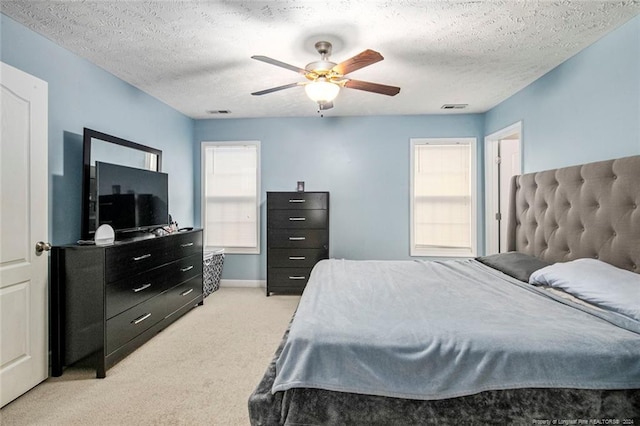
(547, 332)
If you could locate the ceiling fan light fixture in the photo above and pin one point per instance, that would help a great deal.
(325, 78)
(322, 91)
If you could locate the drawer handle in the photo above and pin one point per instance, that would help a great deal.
(297, 238)
(142, 287)
(188, 268)
(297, 201)
(186, 245)
(144, 256)
(297, 278)
(184, 293)
(297, 257)
(297, 219)
(141, 318)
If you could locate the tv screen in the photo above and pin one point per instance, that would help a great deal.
(131, 199)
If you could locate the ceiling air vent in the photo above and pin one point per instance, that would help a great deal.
(218, 111)
(454, 106)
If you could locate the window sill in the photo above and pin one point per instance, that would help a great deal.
(442, 253)
(234, 250)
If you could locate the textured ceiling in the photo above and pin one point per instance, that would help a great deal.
(196, 55)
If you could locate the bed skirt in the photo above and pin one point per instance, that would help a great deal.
(305, 406)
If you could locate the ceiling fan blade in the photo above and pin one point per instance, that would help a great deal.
(275, 89)
(279, 64)
(361, 60)
(372, 87)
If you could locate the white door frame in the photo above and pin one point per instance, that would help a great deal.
(492, 197)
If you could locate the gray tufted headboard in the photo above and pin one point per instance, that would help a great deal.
(589, 210)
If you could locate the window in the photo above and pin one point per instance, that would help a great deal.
(443, 197)
(230, 195)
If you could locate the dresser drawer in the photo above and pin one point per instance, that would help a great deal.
(295, 258)
(130, 291)
(130, 259)
(130, 323)
(297, 200)
(298, 238)
(180, 295)
(293, 287)
(288, 277)
(187, 268)
(183, 244)
(298, 219)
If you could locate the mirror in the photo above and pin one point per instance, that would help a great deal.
(102, 147)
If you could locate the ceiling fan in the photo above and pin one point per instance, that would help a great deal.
(325, 78)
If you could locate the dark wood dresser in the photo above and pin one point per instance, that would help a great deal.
(109, 300)
(297, 238)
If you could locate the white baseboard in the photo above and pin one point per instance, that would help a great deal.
(243, 283)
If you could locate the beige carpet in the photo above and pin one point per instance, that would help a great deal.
(199, 371)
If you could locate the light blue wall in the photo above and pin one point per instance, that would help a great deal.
(84, 95)
(362, 161)
(586, 109)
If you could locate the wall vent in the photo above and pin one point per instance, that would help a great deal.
(454, 106)
(218, 111)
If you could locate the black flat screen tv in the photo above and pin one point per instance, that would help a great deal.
(131, 199)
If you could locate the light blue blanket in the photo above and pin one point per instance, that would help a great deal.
(434, 330)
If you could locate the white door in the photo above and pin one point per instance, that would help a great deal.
(509, 167)
(23, 223)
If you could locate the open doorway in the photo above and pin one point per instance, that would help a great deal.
(502, 161)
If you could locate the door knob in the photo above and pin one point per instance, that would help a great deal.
(42, 246)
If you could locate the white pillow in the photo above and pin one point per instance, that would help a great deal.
(596, 282)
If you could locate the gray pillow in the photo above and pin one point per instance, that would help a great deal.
(515, 264)
(596, 282)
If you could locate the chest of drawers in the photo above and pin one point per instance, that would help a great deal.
(109, 300)
(297, 238)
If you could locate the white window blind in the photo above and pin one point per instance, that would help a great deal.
(443, 197)
(231, 188)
